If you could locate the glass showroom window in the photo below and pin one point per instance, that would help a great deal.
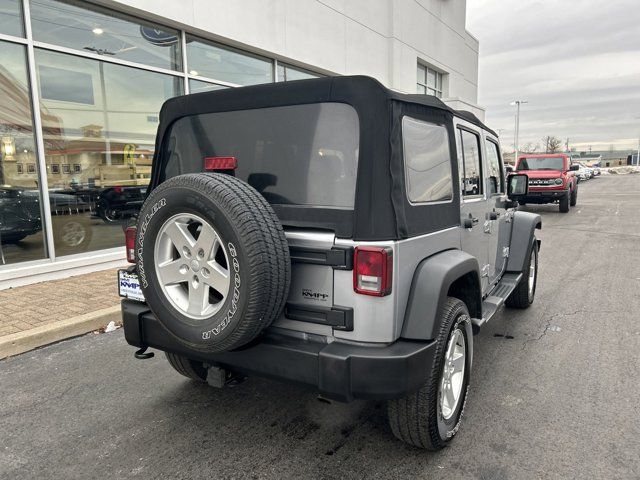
(196, 86)
(206, 59)
(11, 18)
(429, 81)
(79, 25)
(287, 73)
(99, 124)
(21, 235)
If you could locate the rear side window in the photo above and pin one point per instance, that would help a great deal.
(470, 169)
(496, 183)
(293, 155)
(427, 161)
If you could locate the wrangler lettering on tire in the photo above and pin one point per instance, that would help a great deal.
(213, 260)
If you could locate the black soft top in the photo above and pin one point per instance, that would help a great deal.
(381, 210)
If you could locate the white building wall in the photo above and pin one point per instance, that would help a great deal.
(381, 38)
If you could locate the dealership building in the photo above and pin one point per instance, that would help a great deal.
(82, 84)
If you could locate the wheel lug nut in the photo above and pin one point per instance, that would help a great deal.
(186, 252)
(201, 253)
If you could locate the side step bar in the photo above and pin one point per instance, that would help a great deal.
(496, 298)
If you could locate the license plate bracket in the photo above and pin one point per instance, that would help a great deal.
(129, 286)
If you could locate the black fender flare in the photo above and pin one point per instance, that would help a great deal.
(522, 235)
(430, 286)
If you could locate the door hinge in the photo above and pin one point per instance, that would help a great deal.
(485, 270)
(505, 252)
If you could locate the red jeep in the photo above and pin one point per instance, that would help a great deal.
(551, 179)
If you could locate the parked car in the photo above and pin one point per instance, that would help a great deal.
(254, 256)
(588, 171)
(551, 179)
(119, 203)
(20, 217)
(582, 173)
(19, 214)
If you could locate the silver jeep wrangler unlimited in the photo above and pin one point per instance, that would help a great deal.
(324, 232)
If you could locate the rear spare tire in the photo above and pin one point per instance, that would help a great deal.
(213, 260)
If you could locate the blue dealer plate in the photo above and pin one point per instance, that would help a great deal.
(129, 286)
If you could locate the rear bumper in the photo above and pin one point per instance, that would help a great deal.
(338, 371)
(544, 196)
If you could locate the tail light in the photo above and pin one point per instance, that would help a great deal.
(130, 242)
(220, 163)
(373, 271)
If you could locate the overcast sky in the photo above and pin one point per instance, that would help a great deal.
(577, 62)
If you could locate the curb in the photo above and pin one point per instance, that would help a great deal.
(22, 342)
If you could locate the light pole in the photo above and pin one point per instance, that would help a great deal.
(517, 103)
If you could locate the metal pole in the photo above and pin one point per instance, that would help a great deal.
(517, 134)
(638, 157)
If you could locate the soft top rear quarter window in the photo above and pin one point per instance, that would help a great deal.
(293, 155)
(427, 161)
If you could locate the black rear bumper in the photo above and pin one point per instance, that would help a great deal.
(337, 370)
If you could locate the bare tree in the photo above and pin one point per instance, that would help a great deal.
(529, 147)
(552, 144)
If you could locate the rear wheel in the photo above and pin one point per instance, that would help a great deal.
(430, 417)
(525, 292)
(564, 204)
(187, 367)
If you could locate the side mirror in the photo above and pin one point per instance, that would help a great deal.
(574, 167)
(517, 186)
(508, 168)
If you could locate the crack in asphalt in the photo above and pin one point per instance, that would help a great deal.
(548, 325)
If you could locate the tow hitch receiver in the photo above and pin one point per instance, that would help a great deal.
(219, 377)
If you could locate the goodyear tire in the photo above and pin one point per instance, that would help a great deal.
(430, 417)
(213, 260)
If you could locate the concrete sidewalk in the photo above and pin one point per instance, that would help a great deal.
(36, 315)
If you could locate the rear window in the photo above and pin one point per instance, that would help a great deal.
(293, 155)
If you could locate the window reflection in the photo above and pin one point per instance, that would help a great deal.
(471, 174)
(20, 215)
(78, 25)
(221, 63)
(11, 18)
(287, 73)
(495, 171)
(99, 137)
(197, 86)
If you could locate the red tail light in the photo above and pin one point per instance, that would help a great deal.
(220, 163)
(373, 271)
(130, 242)
(117, 189)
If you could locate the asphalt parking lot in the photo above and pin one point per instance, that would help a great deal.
(555, 389)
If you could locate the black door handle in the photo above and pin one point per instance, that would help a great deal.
(469, 222)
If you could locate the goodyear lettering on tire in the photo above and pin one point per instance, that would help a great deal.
(233, 308)
(141, 233)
